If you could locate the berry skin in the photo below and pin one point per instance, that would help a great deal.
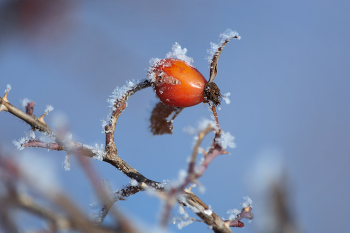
(178, 84)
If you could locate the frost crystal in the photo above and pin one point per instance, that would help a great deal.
(47, 138)
(19, 144)
(233, 213)
(213, 48)
(179, 53)
(171, 116)
(226, 140)
(227, 35)
(8, 88)
(208, 212)
(48, 109)
(118, 94)
(97, 150)
(247, 202)
(225, 97)
(184, 219)
(176, 53)
(66, 163)
(133, 182)
(24, 102)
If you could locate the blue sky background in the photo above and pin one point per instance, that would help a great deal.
(289, 78)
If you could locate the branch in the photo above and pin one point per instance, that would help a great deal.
(189, 200)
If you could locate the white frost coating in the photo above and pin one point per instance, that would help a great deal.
(47, 138)
(8, 88)
(227, 35)
(24, 102)
(233, 213)
(133, 182)
(182, 211)
(226, 140)
(202, 125)
(179, 53)
(153, 62)
(171, 116)
(213, 48)
(48, 109)
(183, 200)
(184, 219)
(182, 224)
(208, 211)
(19, 144)
(176, 53)
(31, 135)
(66, 163)
(118, 94)
(97, 150)
(225, 97)
(247, 202)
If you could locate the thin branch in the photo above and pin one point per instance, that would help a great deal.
(113, 159)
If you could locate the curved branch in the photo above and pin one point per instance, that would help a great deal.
(187, 198)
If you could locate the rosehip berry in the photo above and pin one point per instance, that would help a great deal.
(178, 84)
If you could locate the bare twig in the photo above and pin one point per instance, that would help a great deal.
(112, 158)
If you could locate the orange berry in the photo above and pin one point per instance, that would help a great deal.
(178, 84)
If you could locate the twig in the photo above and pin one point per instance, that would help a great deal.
(113, 159)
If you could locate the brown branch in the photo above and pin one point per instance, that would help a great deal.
(189, 200)
(192, 173)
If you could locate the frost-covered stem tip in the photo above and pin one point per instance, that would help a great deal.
(245, 213)
(225, 38)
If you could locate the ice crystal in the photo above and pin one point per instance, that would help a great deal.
(226, 140)
(8, 88)
(118, 94)
(48, 109)
(179, 53)
(225, 97)
(226, 36)
(97, 150)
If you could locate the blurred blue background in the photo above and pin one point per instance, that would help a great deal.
(289, 78)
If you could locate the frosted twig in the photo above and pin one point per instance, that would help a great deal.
(217, 49)
(118, 104)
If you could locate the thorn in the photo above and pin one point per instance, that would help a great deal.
(227, 224)
(224, 152)
(247, 209)
(6, 92)
(41, 119)
(5, 96)
(192, 186)
(3, 107)
(204, 152)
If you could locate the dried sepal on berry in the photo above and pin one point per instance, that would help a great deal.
(162, 117)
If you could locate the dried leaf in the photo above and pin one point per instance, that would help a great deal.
(162, 117)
